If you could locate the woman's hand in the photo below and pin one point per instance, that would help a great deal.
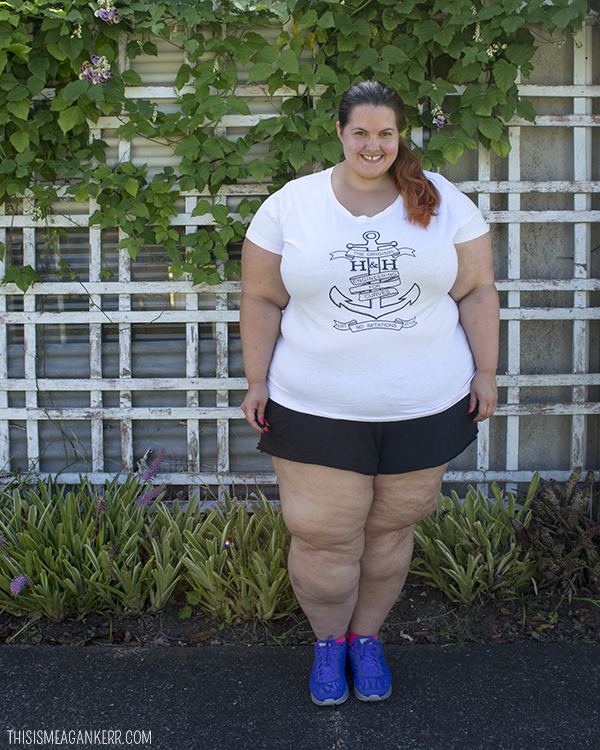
(483, 393)
(254, 404)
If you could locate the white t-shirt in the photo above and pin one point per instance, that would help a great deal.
(370, 332)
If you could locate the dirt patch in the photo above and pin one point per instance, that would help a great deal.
(421, 616)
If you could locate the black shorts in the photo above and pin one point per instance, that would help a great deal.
(369, 447)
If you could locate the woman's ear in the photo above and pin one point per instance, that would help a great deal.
(338, 127)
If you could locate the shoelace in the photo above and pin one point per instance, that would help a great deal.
(368, 657)
(326, 664)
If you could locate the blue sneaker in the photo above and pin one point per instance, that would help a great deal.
(328, 682)
(372, 678)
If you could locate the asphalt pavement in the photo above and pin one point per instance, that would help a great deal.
(503, 697)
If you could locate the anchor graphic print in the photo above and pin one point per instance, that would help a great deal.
(376, 288)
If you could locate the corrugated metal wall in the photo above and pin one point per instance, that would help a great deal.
(95, 373)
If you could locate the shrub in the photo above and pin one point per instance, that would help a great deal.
(82, 551)
(469, 550)
(564, 535)
(237, 562)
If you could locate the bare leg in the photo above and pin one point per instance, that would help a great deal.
(325, 510)
(400, 500)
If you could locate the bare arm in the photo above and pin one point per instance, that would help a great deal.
(263, 298)
(477, 299)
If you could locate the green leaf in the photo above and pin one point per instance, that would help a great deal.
(368, 57)
(131, 186)
(526, 111)
(220, 213)
(7, 166)
(69, 118)
(56, 52)
(72, 91)
(394, 55)
(185, 613)
(390, 18)
(266, 55)
(20, 140)
(150, 49)
(19, 109)
(491, 127)
(211, 148)
(308, 19)
(259, 72)
(469, 121)
(22, 277)
(562, 17)
(502, 146)
(227, 234)
(444, 35)
(20, 50)
(519, 54)
(72, 45)
(288, 61)
(18, 93)
(427, 31)
(505, 74)
(202, 207)
(131, 78)
(326, 21)
(460, 73)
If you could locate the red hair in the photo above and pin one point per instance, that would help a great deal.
(420, 196)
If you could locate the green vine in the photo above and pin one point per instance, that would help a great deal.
(454, 62)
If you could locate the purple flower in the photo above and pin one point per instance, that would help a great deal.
(440, 120)
(18, 583)
(87, 72)
(109, 14)
(103, 77)
(99, 73)
(151, 494)
(3, 542)
(154, 466)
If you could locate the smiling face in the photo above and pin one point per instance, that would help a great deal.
(370, 139)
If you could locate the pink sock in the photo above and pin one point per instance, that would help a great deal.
(352, 637)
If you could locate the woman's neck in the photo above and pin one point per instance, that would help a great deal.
(362, 197)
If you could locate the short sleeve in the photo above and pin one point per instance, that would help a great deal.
(471, 223)
(475, 227)
(265, 228)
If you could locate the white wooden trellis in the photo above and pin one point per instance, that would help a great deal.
(222, 314)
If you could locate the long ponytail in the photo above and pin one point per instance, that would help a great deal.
(421, 198)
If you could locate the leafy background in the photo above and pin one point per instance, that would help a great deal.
(457, 60)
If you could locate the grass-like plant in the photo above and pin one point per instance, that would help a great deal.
(119, 550)
(469, 550)
(77, 551)
(237, 562)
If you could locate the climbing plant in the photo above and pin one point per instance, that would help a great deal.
(454, 62)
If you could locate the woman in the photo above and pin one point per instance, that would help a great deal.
(369, 324)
